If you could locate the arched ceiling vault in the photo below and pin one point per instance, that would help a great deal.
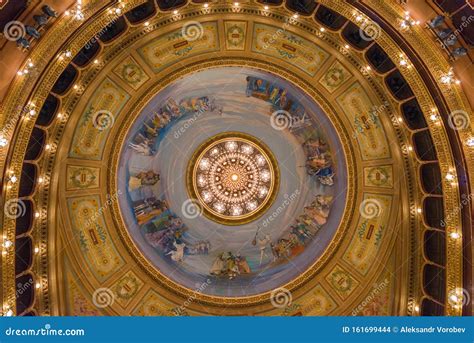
(417, 138)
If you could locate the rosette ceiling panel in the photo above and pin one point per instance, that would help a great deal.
(233, 158)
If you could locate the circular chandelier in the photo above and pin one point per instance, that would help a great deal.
(233, 177)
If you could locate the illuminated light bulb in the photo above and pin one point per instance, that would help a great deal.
(68, 54)
(368, 68)
(419, 210)
(3, 142)
(37, 214)
(295, 16)
(175, 12)
(417, 308)
(37, 250)
(347, 46)
(454, 298)
(400, 119)
(48, 146)
(32, 112)
(30, 64)
(13, 179)
(458, 82)
(206, 5)
(446, 79)
(470, 142)
(40, 180)
(266, 8)
(7, 244)
(403, 63)
(59, 116)
(96, 61)
(358, 18)
(9, 313)
(322, 29)
(449, 177)
(410, 148)
(234, 177)
(38, 285)
(147, 23)
(433, 117)
(236, 4)
(455, 235)
(67, 13)
(20, 73)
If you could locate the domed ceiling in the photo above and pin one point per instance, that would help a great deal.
(230, 158)
(248, 214)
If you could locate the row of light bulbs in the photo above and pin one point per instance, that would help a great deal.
(78, 14)
(6, 245)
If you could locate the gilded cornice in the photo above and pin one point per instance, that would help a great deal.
(67, 35)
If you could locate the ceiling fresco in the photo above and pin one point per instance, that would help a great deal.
(270, 205)
(236, 159)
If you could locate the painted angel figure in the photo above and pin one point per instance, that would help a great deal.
(142, 149)
(262, 245)
(178, 254)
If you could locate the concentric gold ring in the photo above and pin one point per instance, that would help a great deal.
(234, 177)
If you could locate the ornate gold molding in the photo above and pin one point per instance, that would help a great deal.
(63, 30)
